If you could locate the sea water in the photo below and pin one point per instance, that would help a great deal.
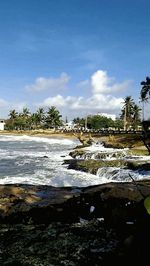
(39, 161)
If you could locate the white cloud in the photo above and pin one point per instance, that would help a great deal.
(58, 101)
(113, 117)
(104, 102)
(51, 84)
(99, 88)
(102, 83)
(121, 86)
(97, 103)
(101, 100)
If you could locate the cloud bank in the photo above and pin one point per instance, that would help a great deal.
(102, 83)
(50, 84)
(98, 94)
(102, 99)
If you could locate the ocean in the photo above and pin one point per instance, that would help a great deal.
(39, 161)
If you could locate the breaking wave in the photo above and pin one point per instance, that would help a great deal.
(39, 161)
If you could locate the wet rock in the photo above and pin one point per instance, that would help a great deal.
(95, 225)
(92, 165)
(77, 153)
(85, 154)
(21, 203)
(139, 165)
(44, 204)
(114, 145)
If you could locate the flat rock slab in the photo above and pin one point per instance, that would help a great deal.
(36, 195)
(43, 204)
(97, 225)
(27, 201)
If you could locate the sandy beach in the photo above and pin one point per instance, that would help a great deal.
(39, 133)
(128, 140)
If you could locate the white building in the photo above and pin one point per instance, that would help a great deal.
(113, 117)
(68, 126)
(2, 124)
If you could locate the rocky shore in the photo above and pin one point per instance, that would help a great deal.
(98, 225)
(78, 226)
(125, 148)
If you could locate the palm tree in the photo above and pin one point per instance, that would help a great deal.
(10, 124)
(136, 115)
(40, 115)
(127, 111)
(145, 91)
(145, 95)
(80, 122)
(13, 114)
(34, 120)
(25, 118)
(77, 120)
(53, 118)
(25, 112)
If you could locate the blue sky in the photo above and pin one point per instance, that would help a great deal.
(83, 56)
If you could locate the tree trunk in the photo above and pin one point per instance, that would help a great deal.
(146, 140)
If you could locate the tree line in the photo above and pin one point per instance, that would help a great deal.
(130, 116)
(26, 120)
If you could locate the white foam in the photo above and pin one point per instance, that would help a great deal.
(118, 174)
(50, 140)
(94, 150)
(42, 164)
(59, 175)
(97, 148)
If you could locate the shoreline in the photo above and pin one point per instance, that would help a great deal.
(133, 142)
(36, 133)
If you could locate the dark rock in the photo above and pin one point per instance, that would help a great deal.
(44, 204)
(96, 225)
(113, 145)
(77, 153)
(139, 165)
(92, 166)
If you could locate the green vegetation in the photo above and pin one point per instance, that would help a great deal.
(145, 94)
(130, 114)
(98, 122)
(40, 119)
(145, 89)
(53, 118)
(147, 204)
(130, 117)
